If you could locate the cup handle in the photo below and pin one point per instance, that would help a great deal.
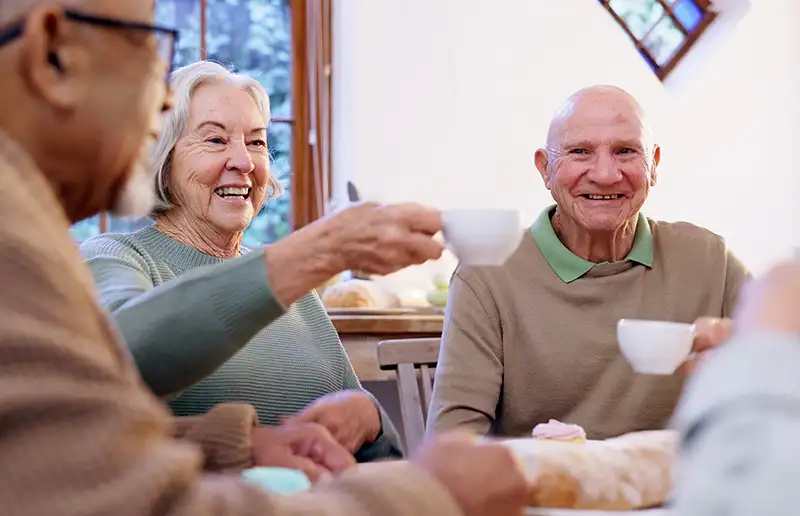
(441, 236)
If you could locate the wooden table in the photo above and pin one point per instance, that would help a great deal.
(360, 335)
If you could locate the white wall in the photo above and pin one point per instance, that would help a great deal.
(445, 101)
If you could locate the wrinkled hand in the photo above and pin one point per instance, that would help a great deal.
(307, 447)
(381, 239)
(350, 416)
(772, 302)
(484, 478)
(710, 332)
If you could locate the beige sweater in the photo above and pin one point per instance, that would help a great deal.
(79, 432)
(521, 346)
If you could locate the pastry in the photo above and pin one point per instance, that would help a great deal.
(557, 431)
(358, 294)
(633, 471)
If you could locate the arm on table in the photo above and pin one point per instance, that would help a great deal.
(739, 420)
(469, 374)
(181, 331)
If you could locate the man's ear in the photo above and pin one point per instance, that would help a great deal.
(654, 168)
(542, 161)
(54, 64)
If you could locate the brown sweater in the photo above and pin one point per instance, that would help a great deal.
(521, 346)
(79, 432)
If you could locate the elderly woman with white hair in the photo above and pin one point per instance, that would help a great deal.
(208, 321)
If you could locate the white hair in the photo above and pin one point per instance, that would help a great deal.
(184, 81)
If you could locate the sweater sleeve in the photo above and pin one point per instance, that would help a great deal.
(181, 331)
(736, 275)
(224, 434)
(739, 421)
(469, 374)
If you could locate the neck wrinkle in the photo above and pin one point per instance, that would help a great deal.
(595, 247)
(202, 237)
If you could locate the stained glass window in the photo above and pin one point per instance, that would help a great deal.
(662, 30)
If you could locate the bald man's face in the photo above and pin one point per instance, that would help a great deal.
(599, 165)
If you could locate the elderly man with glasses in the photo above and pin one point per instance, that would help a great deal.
(82, 83)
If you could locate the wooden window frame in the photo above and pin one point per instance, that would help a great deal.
(301, 175)
(690, 36)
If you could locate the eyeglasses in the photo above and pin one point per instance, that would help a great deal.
(166, 38)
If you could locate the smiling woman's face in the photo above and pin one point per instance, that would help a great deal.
(220, 167)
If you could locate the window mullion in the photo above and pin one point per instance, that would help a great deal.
(203, 48)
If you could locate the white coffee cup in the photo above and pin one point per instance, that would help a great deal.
(481, 236)
(655, 347)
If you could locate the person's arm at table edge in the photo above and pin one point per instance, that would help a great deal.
(739, 419)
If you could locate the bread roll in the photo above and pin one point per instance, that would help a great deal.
(358, 294)
(633, 471)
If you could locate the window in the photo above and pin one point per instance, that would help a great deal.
(662, 30)
(264, 39)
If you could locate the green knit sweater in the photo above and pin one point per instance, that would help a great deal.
(211, 330)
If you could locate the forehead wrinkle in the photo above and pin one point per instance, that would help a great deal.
(597, 98)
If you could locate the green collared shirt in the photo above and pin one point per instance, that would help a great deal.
(570, 267)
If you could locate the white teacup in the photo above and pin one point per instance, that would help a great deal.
(655, 347)
(482, 236)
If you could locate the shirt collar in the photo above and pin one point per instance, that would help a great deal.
(569, 266)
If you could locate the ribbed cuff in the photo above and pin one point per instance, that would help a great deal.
(224, 434)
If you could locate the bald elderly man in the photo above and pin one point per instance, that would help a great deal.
(535, 339)
(83, 83)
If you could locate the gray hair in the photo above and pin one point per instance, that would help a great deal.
(184, 82)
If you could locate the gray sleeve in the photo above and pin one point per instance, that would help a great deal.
(181, 331)
(739, 421)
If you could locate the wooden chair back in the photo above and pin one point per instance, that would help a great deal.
(406, 357)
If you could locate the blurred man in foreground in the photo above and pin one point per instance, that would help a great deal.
(83, 83)
(740, 415)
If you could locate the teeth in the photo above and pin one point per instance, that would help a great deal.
(229, 190)
(602, 197)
